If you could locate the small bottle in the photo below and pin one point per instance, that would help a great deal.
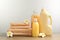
(35, 28)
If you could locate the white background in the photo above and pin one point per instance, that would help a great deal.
(18, 10)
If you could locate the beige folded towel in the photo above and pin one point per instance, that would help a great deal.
(18, 24)
(20, 27)
(21, 30)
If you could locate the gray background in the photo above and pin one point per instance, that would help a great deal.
(18, 10)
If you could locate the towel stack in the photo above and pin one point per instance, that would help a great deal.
(20, 29)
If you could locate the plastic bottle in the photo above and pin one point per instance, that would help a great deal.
(35, 28)
(45, 27)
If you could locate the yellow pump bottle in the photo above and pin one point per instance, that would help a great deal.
(45, 27)
(35, 28)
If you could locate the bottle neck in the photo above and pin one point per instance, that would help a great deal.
(35, 19)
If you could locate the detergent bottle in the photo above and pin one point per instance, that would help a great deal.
(35, 28)
(45, 27)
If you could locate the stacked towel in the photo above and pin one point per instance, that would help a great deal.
(20, 29)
